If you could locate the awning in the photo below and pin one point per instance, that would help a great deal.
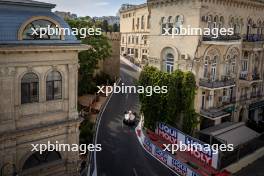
(214, 113)
(231, 133)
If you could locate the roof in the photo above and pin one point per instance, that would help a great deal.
(27, 3)
(14, 13)
(134, 7)
(231, 133)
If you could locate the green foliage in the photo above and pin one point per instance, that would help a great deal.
(100, 49)
(116, 28)
(171, 107)
(86, 132)
(88, 60)
(105, 26)
(175, 97)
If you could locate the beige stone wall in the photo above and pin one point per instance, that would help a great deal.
(111, 65)
(134, 40)
(24, 124)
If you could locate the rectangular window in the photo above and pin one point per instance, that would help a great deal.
(29, 92)
(53, 90)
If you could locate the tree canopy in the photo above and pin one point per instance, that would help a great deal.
(100, 49)
(177, 106)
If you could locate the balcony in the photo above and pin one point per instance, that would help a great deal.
(258, 94)
(228, 101)
(253, 38)
(249, 78)
(218, 84)
(224, 40)
(214, 113)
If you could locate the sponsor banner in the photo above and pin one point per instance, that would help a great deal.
(175, 136)
(170, 134)
(148, 145)
(177, 166)
(161, 155)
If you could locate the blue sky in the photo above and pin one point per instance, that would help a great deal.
(91, 7)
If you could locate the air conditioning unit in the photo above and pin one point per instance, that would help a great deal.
(204, 18)
(185, 56)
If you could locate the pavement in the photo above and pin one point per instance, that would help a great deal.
(121, 153)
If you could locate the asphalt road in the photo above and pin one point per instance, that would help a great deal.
(121, 153)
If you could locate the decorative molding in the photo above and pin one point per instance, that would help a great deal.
(7, 71)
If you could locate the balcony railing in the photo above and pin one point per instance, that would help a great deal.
(249, 77)
(253, 38)
(243, 97)
(256, 94)
(216, 84)
(229, 100)
(222, 38)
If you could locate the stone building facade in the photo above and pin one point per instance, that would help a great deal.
(134, 27)
(111, 65)
(38, 91)
(229, 70)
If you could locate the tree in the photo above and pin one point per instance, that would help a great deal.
(116, 28)
(89, 59)
(105, 26)
(190, 120)
(175, 97)
(100, 49)
(170, 108)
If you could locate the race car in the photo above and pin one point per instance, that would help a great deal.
(129, 118)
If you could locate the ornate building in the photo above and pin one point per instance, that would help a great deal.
(38, 91)
(134, 26)
(229, 69)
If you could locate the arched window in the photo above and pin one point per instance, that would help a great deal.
(142, 22)
(213, 68)
(244, 65)
(138, 23)
(230, 65)
(170, 24)
(249, 26)
(54, 86)
(210, 65)
(163, 25)
(232, 23)
(221, 22)
(148, 22)
(259, 28)
(206, 60)
(178, 21)
(210, 22)
(37, 159)
(215, 24)
(34, 29)
(133, 23)
(29, 88)
(169, 63)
